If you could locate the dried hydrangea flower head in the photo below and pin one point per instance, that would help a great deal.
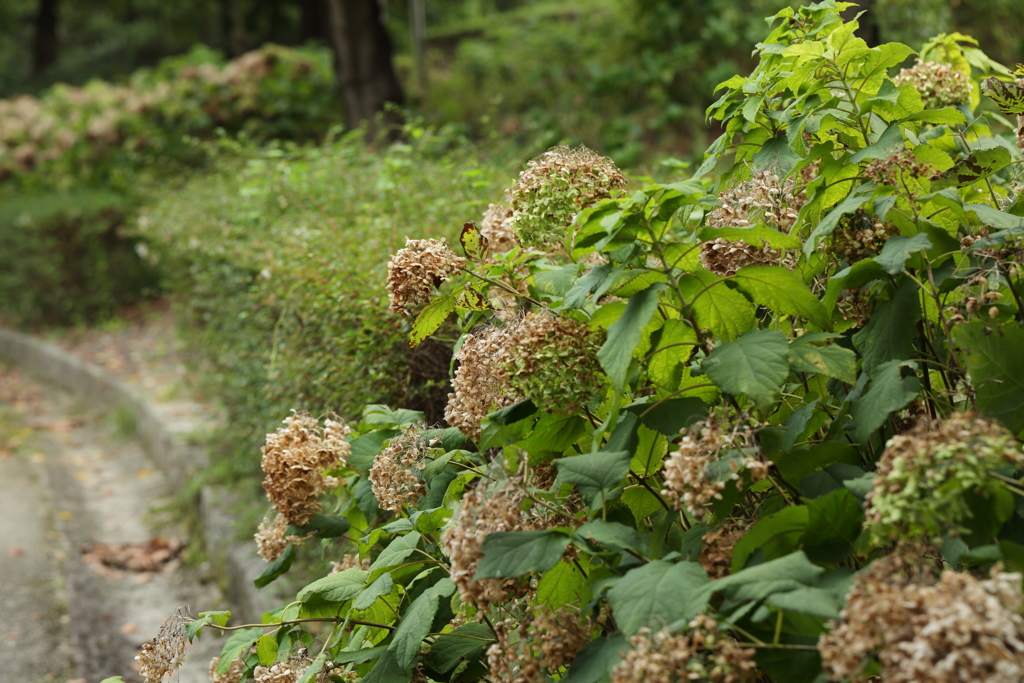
(688, 480)
(295, 459)
(900, 163)
(764, 197)
(287, 672)
(701, 653)
(480, 384)
(555, 187)
(493, 506)
(415, 273)
(923, 475)
(350, 561)
(553, 361)
(271, 541)
(496, 226)
(858, 236)
(716, 550)
(162, 656)
(394, 477)
(940, 84)
(234, 674)
(922, 631)
(544, 642)
(724, 257)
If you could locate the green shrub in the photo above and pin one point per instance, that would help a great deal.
(64, 259)
(278, 259)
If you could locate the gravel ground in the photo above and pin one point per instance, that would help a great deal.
(82, 510)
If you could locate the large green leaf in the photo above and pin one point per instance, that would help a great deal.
(794, 466)
(415, 624)
(465, 643)
(602, 470)
(777, 535)
(786, 574)
(658, 593)
(756, 364)
(828, 224)
(781, 291)
(831, 361)
(563, 584)
(237, 644)
(595, 662)
(890, 333)
(1009, 97)
(668, 416)
(396, 552)
(277, 568)
(834, 523)
(725, 312)
(335, 587)
(388, 670)
(509, 554)
(995, 363)
(616, 354)
(757, 235)
(898, 249)
(888, 392)
(431, 318)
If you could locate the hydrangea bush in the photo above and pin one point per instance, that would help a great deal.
(757, 428)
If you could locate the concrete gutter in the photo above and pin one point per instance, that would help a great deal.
(169, 444)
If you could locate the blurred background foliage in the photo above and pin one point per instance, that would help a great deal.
(200, 150)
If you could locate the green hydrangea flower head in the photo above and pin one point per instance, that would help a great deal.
(553, 361)
(924, 475)
(555, 187)
(940, 84)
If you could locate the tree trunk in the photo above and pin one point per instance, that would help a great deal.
(232, 27)
(362, 50)
(314, 21)
(44, 46)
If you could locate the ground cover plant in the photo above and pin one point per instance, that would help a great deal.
(757, 428)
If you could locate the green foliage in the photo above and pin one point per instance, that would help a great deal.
(65, 258)
(796, 411)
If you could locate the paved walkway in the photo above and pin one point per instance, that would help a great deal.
(81, 512)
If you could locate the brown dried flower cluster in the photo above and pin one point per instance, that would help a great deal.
(294, 461)
(162, 656)
(764, 196)
(485, 509)
(702, 653)
(716, 552)
(414, 273)
(271, 540)
(902, 162)
(555, 187)
(350, 561)
(394, 476)
(496, 226)
(922, 631)
(724, 258)
(543, 643)
(686, 476)
(233, 675)
(859, 236)
(553, 361)
(285, 672)
(480, 385)
(939, 84)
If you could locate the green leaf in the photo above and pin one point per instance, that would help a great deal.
(396, 552)
(474, 244)
(888, 392)
(508, 554)
(777, 534)
(996, 218)
(379, 588)
(610, 533)
(828, 224)
(555, 281)
(995, 362)
(981, 164)
(950, 116)
(725, 312)
(890, 333)
(563, 584)
(194, 628)
(324, 526)
(854, 276)
(554, 433)
(756, 364)
(416, 621)
(624, 335)
(1009, 97)
(237, 645)
(757, 235)
(469, 299)
(366, 448)
(672, 347)
(310, 674)
(781, 291)
(831, 361)
(276, 568)
(388, 670)
(658, 593)
(595, 662)
(786, 574)
(266, 649)
(463, 644)
(603, 470)
(668, 416)
(335, 587)
(641, 502)
(431, 318)
(794, 466)
(513, 413)
(834, 523)
(360, 656)
(775, 153)
(898, 249)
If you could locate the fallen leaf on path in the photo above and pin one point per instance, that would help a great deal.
(155, 555)
(129, 627)
(16, 551)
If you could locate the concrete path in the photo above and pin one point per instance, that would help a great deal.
(72, 478)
